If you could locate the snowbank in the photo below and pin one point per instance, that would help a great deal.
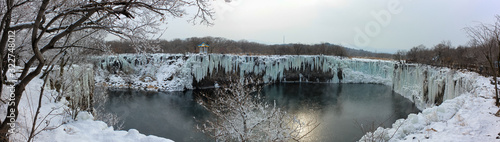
(468, 117)
(88, 130)
(54, 122)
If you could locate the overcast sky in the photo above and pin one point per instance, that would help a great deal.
(400, 24)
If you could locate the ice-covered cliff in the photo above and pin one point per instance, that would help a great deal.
(425, 85)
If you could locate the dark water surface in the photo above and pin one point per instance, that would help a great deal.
(341, 109)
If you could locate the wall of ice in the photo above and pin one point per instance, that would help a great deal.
(428, 86)
(425, 85)
(74, 83)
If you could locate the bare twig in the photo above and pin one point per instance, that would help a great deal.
(33, 127)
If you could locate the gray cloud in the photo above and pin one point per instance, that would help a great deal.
(312, 21)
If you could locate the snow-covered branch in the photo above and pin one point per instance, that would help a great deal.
(243, 116)
(61, 24)
(22, 26)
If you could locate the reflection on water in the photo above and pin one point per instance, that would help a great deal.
(338, 109)
(164, 114)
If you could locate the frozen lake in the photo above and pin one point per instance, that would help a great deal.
(341, 109)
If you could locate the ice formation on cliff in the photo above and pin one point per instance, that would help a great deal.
(425, 85)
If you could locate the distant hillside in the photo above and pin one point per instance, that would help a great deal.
(227, 46)
(362, 53)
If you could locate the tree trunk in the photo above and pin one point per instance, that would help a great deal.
(496, 87)
(497, 71)
(12, 110)
(5, 24)
(9, 122)
(495, 79)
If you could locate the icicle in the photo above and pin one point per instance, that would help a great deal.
(177, 72)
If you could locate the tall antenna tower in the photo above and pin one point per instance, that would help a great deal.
(283, 39)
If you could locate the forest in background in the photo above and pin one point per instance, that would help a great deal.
(443, 54)
(226, 46)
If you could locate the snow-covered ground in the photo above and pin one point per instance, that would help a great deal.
(470, 117)
(85, 129)
(55, 124)
(466, 114)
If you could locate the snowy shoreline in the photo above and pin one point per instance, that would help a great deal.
(56, 125)
(426, 86)
(466, 112)
(467, 117)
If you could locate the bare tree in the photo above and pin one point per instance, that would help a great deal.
(241, 116)
(48, 27)
(416, 54)
(442, 54)
(298, 48)
(400, 55)
(339, 51)
(487, 38)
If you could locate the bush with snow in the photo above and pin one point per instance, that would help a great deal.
(241, 116)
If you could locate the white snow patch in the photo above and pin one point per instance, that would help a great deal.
(60, 127)
(95, 131)
(468, 117)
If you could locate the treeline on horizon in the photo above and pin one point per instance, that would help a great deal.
(226, 46)
(443, 54)
(472, 58)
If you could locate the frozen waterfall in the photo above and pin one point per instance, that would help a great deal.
(425, 85)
